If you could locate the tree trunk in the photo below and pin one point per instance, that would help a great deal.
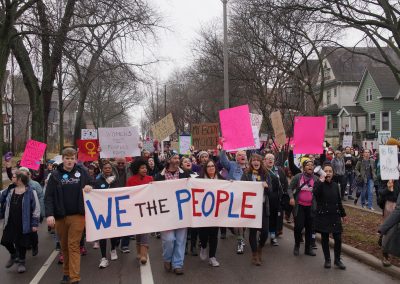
(61, 114)
(79, 116)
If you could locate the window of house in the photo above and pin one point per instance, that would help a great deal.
(333, 122)
(368, 94)
(326, 71)
(385, 120)
(328, 97)
(372, 122)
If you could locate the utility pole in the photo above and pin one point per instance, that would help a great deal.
(165, 100)
(226, 56)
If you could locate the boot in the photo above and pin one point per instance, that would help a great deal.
(143, 254)
(339, 264)
(255, 260)
(296, 250)
(259, 252)
(11, 261)
(138, 252)
(327, 263)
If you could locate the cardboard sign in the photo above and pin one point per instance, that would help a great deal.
(370, 144)
(205, 136)
(148, 145)
(164, 128)
(383, 137)
(172, 204)
(236, 128)
(347, 141)
(185, 142)
(309, 133)
(174, 146)
(388, 160)
(119, 142)
(88, 134)
(87, 150)
(279, 129)
(33, 153)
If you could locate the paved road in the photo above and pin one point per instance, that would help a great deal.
(280, 266)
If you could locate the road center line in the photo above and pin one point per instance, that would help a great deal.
(146, 275)
(44, 268)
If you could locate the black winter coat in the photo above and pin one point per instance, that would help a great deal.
(330, 209)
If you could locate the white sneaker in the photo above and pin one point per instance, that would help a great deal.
(203, 254)
(114, 255)
(372, 209)
(213, 262)
(104, 263)
(96, 245)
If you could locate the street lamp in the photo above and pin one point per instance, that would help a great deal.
(226, 56)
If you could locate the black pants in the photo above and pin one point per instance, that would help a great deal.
(337, 247)
(209, 235)
(263, 233)
(34, 239)
(13, 249)
(194, 232)
(103, 246)
(274, 220)
(302, 220)
(342, 181)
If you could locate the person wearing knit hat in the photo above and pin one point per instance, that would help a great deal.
(301, 197)
(203, 157)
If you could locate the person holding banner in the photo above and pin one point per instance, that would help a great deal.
(139, 170)
(21, 218)
(235, 172)
(64, 208)
(173, 241)
(107, 179)
(329, 215)
(209, 235)
(256, 172)
(301, 197)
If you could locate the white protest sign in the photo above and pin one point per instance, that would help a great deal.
(184, 144)
(370, 144)
(172, 204)
(148, 145)
(389, 162)
(256, 121)
(347, 141)
(119, 142)
(88, 134)
(383, 137)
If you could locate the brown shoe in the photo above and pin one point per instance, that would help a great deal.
(178, 271)
(255, 260)
(143, 254)
(386, 262)
(167, 266)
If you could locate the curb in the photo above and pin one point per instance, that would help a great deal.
(362, 209)
(361, 256)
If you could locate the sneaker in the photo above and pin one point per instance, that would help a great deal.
(60, 258)
(363, 206)
(167, 266)
(104, 263)
(203, 254)
(240, 247)
(96, 245)
(296, 250)
(386, 262)
(158, 235)
(310, 252)
(58, 246)
(83, 251)
(125, 250)
(327, 264)
(274, 242)
(35, 251)
(21, 267)
(65, 280)
(372, 209)
(213, 262)
(114, 255)
(339, 264)
(178, 271)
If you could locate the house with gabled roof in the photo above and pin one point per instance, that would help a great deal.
(377, 107)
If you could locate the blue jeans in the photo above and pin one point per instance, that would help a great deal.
(174, 244)
(367, 189)
(349, 179)
(125, 242)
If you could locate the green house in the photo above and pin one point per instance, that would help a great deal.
(377, 106)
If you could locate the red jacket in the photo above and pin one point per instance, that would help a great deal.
(138, 180)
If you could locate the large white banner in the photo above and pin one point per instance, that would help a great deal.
(168, 205)
(119, 142)
(389, 162)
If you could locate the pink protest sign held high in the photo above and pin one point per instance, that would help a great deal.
(33, 153)
(309, 134)
(236, 128)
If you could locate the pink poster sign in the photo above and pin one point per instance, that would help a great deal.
(236, 128)
(33, 153)
(309, 134)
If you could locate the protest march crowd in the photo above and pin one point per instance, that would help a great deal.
(307, 191)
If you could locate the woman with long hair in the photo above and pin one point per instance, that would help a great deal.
(209, 235)
(257, 173)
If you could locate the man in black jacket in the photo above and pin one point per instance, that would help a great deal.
(64, 208)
